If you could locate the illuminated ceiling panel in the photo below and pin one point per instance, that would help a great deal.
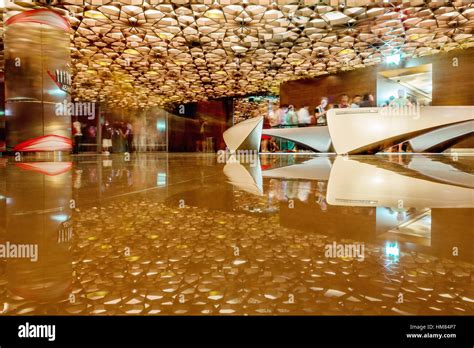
(136, 53)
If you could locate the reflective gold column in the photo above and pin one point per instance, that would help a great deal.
(37, 79)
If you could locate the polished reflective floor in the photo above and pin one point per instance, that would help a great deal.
(199, 234)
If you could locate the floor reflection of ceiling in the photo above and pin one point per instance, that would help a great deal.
(140, 253)
(139, 257)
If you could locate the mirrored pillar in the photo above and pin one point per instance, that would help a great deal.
(37, 81)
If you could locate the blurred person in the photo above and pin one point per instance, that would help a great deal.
(77, 135)
(273, 146)
(320, 112)
(291, 117)
(128, 137)
(412, 100)
(322, 121)
(200, 142)
(291, 120)
(92, 133)
(282, 111)
(265, 138)
(367, 101)
(343, 102)
(304, 118)
(142, 139)
(117, 138)
(273, 118)
(356, 101)
(107, 131)
(401, 100)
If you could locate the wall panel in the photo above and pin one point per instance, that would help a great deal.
(451, 85)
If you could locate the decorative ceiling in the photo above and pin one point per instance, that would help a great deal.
(158, 52)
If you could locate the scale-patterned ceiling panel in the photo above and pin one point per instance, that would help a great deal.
(144, 53)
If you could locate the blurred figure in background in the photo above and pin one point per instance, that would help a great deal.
(401, 100)
(128, 137)
(367, 101)
(107, 132)
(389, 101)
(266, 138)
(291, 117)
(200, 142)
(304, 118)
(343, 102)
(282, 111)
(356, 101)
(291, 121)
(273, 117)
(117, 138)
(320, 112)
(324, 119)
(77, 135)
(412, 100)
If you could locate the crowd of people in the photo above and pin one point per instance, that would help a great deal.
(286, 116)
(120, 135)
(401, 100)
(115, 138)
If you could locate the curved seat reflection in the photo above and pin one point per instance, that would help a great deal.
(355, 183)
(443, 170)
(250, 178)
(314, 169)
(421, 182)
(247, 178)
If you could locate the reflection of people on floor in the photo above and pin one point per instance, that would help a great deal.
(77, 179)
(321, 201)
(291, 189)
(304, 188)
(321, 196)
